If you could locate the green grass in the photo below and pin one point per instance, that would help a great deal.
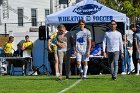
(104, 84)
(49, 84)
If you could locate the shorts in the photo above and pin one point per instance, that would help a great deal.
(81, 57)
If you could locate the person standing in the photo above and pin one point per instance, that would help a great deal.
(82, 48)
(8, 52)
(135, 30)
(27, 47)
(8, 47)
(113, 41)
(27, 51)
(52, 47)
(138, 51)
(126, 61)
(64, 45)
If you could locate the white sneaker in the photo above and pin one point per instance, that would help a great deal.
(123, 73)
(128, 73)
(57, 74)
(100, 73)
(137, 74)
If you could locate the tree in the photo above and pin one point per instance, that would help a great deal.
(130, 7)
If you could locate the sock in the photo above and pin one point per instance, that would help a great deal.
(80, 68)
(85, 70)
(138, 68)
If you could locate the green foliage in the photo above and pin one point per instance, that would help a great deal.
(130, 7)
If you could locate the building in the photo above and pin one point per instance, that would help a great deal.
(61, 4)
(22, 16)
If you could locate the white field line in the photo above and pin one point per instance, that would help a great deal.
(64, 90)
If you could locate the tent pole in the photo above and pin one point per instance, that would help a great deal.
(93, 32)
(67, 3)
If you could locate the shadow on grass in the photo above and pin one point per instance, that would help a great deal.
(55, 78)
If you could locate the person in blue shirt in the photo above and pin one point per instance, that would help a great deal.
(95, 49)
(19, 51)
(135, 30)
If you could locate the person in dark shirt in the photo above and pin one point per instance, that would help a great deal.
(135, 30)
(18, 52)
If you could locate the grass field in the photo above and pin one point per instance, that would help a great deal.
(49, 84)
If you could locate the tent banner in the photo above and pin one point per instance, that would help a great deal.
(86, 12)
(86, 18)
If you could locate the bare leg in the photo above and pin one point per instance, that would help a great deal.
(60, 58)
(56, 65)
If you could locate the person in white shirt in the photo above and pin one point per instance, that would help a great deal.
(113, 41)
(82, 49)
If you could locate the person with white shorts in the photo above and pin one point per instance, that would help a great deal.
(82, 48)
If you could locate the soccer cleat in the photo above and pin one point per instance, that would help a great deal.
(137, 74)
(100, 73)
(128, 73)
(57, 74)
(84, 78)
(114, 78)
(81, 75)
(67, 77)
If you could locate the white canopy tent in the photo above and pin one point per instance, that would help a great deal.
(92, 12)
(89, 10)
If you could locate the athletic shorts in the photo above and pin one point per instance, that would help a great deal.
(81, 57)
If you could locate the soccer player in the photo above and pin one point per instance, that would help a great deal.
(82, 48)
